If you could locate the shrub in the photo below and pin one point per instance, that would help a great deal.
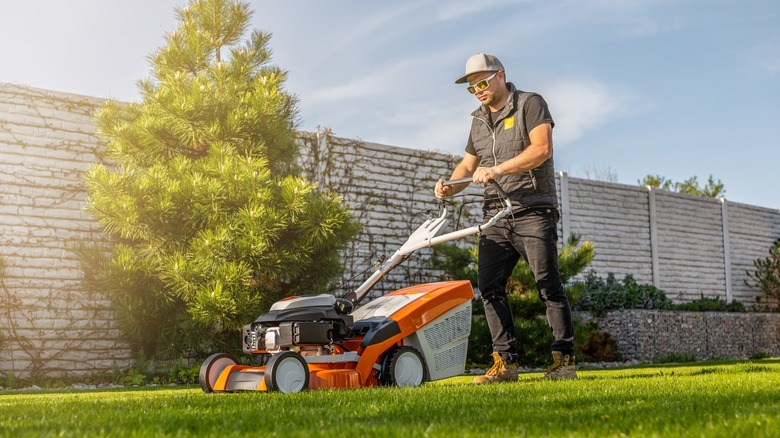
(456, 261)
(533, 341)
(676, 358)
(766, 276)
(526, 305)
(707, 304)
(480, 345)
(594, 344)
(760, 355)
(600, 295)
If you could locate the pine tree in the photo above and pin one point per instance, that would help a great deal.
(210, 221)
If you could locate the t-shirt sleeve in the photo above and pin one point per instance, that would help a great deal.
(470, 143)
(470, 146)
(537, 113)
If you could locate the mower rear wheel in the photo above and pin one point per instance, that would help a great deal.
(212, 368)
(403, 366)
(286, 372)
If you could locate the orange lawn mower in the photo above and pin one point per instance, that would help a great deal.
(403, 338)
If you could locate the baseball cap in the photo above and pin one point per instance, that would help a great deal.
(479, 63)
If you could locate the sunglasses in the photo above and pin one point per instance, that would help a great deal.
(481, 85)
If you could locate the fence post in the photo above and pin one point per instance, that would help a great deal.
(654, 237)
(724, 211)
(565, 215)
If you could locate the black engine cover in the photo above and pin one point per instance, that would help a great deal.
(311, 313)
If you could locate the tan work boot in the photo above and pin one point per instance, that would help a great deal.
(562, 367)
(499, 372)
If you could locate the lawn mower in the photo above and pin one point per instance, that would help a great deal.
(403, 338)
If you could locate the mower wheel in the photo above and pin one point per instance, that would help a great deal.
(287, 372)
(403, 366)
(212, 368)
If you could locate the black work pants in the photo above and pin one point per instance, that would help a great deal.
(533, 236)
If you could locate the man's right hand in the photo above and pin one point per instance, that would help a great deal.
(442, 191)
(464, 169)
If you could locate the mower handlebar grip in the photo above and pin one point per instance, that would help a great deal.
(468, 179)
(453, 182)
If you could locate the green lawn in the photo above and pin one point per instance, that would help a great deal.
(727, 399)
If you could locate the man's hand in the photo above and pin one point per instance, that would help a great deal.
(464, 169)
(441, 191)
(484, 174)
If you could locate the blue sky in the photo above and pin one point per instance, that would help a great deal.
(678, 88)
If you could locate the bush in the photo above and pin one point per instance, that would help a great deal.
(760, 355)
(600, 295)
(533, 341)
(676, 358)
(526, 305)
(534, 338)
(766, 276)
(707, 304)
(594, 344)
(480, 344)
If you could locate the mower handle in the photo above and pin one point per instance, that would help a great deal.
(468, 179)
(453, 182)
(426, 236)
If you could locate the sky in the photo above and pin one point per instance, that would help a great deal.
(676, 88)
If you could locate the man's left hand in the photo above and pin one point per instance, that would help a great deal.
(484, 174)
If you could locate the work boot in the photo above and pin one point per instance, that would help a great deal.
(562, 367)
(499, 372)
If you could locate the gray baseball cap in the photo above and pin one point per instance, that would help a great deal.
(479, 63)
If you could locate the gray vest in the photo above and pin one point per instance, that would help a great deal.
(506, 138)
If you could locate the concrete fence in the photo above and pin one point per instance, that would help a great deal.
(688, 246)
(49, 324)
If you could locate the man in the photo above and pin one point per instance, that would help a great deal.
(511, 142)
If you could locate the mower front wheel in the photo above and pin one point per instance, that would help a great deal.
(212, 368)
(403, 366)
(286, 372)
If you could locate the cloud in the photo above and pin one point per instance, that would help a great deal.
(369, 29)
(579, 106)
(764, 57)
(643, 27)
(441, 126)
(456, 10)
(625, 18)
(419, 117)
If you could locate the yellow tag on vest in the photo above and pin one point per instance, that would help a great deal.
(509, 122)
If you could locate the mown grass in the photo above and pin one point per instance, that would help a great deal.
(721, 400)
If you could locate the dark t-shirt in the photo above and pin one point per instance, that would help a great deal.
(536, 113)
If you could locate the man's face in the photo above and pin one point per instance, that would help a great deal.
(494, 82)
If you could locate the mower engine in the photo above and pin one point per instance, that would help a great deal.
(307, 324)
